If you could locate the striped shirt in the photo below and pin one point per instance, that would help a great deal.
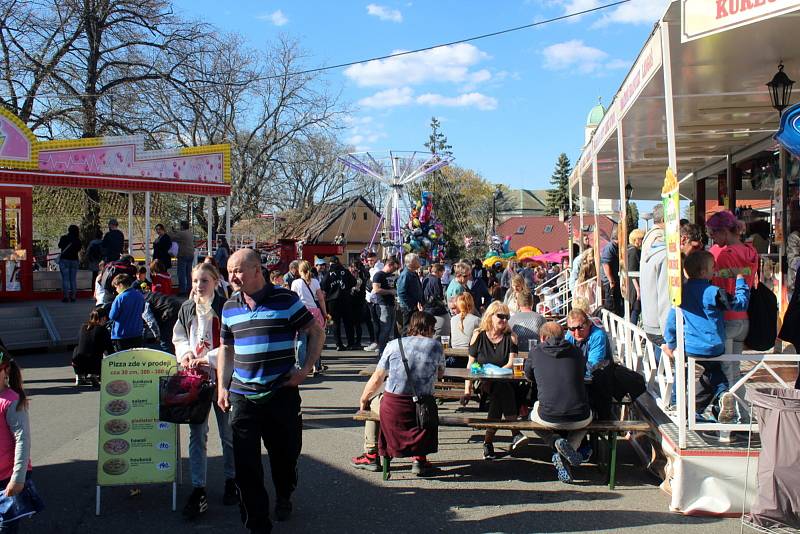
(263, 338)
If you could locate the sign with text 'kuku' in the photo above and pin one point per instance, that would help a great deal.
(134, 446)
(701, 18)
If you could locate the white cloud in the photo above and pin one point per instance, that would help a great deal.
(363, 131)
(635, 12)
(385, 13)
(477, 100)
(398, 96)
(575, 54)
(276, 17)
(445, 64)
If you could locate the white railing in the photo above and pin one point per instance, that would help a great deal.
(635, 351)
(763, 362)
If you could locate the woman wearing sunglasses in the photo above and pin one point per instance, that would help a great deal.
(493, 342)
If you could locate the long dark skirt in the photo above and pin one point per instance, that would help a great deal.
(399, 436)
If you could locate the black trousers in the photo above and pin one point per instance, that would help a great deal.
(362, 314)
(278, 423)
(612, 299)
(341, 313)
(405, 318)
(127, 343)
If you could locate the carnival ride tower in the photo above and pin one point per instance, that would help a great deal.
(395, 170)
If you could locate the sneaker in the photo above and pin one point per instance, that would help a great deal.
(585, 451)
(196, 505)
(371, 347)
(231, 494)
(488, 451)
(78, 380)
(368, 462)
(283, 509)
(421, 468)
(320, 370)
(727, 408)
(519, 441)
(561, 470)
(340, 348)
(94, 380)
(566, 450)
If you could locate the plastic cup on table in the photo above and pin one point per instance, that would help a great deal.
(446, 342)
(517, 366)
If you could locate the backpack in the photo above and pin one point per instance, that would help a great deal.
(762, 311)
(113, 269)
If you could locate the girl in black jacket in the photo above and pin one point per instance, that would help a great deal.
(94, 340)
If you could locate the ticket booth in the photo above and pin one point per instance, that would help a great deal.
(16, 248)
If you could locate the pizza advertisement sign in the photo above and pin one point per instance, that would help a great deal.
(134, 447)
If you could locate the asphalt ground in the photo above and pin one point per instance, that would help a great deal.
(519, 494)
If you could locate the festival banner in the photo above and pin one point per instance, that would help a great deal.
(134, 446)
(701, 18)
(672, 231)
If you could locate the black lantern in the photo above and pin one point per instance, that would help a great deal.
(628, 191)
(780, 89)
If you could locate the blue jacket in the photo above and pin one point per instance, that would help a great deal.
(409, 290)
(595, 347)
(126, 312)
(703, 326)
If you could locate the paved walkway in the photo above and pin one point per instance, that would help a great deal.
(471, 495)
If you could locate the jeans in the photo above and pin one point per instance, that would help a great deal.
(385, 325)
(709, 384)
(184, 273)
(374, 316)
(279, 424)
(198, 451)
(302, 350)
(69, 277)
(735, 334)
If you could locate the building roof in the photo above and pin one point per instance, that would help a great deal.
(548, 233)
(520, 201)
(310, 227)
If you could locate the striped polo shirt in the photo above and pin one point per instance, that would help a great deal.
(263, 338)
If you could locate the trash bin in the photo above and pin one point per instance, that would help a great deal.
(777, 502)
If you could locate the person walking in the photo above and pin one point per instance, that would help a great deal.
(196, 338)
(337, 285)
(161, 247)
(113, 242)
(126, 313)
(383, 287)
(70, 245)
(258, 382)
(185, 241)
(310, 294)
(409, 290)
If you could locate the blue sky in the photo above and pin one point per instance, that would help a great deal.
(509, 105)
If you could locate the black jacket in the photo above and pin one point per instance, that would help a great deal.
(165, 308)
(70, 245)
(338, 283)
(113, 242)
(161, 248)
(557, 368)
(433, 292)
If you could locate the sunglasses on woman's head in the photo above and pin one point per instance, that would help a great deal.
(502, 316)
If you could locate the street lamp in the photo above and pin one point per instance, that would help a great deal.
(628, 191)
(780, 90)
(497, 195)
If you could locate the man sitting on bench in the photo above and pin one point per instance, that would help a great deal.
(557, 367)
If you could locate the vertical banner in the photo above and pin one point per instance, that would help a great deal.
(134, 446)
(672, 231)
(777, 209)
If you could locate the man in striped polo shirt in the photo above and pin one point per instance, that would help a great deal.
(257, 380)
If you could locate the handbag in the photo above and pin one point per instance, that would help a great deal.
(426, 409)
(24, 504)
(762, 311)
(185, 397)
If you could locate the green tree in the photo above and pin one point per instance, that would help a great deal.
(558, 195)
(437, 141)
(632, 217)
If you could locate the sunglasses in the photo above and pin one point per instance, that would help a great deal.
(578, 327)
(502, 316)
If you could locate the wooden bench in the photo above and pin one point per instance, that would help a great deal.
(607, 430)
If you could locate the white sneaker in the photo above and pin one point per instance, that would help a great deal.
(371, 347)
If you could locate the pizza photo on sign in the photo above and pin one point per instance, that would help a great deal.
(118, 388)
(117, 407)
(115, 466)
(116, 427)
(116, 446)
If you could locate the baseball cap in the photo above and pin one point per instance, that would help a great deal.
(320, 261)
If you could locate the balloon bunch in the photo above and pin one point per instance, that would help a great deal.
(424, 233)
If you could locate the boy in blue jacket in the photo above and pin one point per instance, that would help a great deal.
(703, 305)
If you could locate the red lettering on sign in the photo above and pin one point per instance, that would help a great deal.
(721, 12)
